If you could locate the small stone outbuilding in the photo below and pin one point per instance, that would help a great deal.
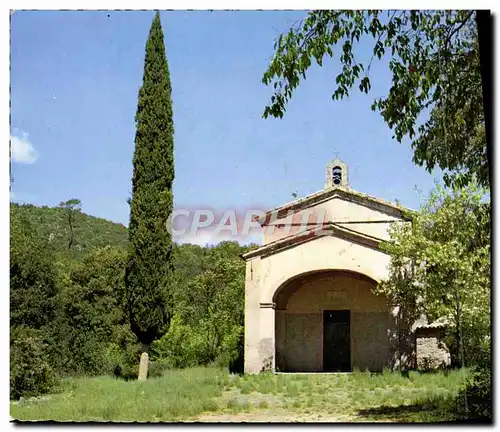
(309, 305)
(431, 350)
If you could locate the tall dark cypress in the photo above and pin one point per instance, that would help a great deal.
(149, 272)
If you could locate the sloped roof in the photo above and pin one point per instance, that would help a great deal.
(341, 192)
(439, 323)
(331, 229)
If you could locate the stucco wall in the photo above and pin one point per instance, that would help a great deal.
(267, 275)
(252, 320)
(323, 253)
(335, 209)
(335, 291)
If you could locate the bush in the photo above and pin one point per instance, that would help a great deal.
(237, 358)
(182, 346)
(231, 346)
(157, 368)
(186, 345)
(479, 399)
(128, 368)
(92, 331)
(122, 359)
(30, 371)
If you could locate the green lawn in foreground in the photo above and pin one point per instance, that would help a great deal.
(181, 395)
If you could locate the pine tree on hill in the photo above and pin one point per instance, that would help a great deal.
(148, 277)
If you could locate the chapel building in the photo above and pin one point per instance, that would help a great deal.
(309, 305)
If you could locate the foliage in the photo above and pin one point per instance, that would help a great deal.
(436, 93)
(30, 371)
(148, 278)
(51, 224)
(82, 313)
(189, 261)
(440, 265)
(81, 309)
(121, 358)
(182, 346)
(92, 318)
(208, 323)
(479, 397)
(33, 276)
(216, 301)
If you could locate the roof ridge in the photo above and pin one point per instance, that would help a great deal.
(308, 234)
(315, 198)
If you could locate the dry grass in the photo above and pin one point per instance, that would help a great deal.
(181, 395)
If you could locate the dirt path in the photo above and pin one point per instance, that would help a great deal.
(273, 416)
(275, 413)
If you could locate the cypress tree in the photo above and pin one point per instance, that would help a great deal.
(150, 268)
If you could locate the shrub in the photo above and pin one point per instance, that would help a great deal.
(236, 364)
(479, 398)
(231, 350)
(157, 368)
(92, 332)
(122, 361)
(30, 371)
(182, 346)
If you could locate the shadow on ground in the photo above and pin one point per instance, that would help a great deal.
(428, 411)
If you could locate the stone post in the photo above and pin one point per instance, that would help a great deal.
(143, 365)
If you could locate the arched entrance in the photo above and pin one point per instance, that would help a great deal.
(330, 321)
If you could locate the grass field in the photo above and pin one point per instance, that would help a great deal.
(211, 394)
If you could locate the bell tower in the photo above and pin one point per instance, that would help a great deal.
(336, 174)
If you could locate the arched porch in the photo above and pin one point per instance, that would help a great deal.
(329, 320)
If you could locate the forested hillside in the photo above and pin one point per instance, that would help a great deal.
(90, 232)
(68, 309)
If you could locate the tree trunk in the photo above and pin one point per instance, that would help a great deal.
(484, 32)
(460, 338)
(71, 233)
(144, 363)
(458, 312)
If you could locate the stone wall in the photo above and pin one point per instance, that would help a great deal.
(369, 340)
(303, 347)
(432, 352)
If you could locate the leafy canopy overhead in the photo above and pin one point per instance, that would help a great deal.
(436, 95)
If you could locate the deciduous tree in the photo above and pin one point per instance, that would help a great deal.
(436, 97)
(34, 281)
(441, 265)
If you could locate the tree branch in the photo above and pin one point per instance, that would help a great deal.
(378, 40)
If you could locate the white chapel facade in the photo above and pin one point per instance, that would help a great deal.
(308, 300)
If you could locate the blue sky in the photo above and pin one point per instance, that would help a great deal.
(74, 84)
